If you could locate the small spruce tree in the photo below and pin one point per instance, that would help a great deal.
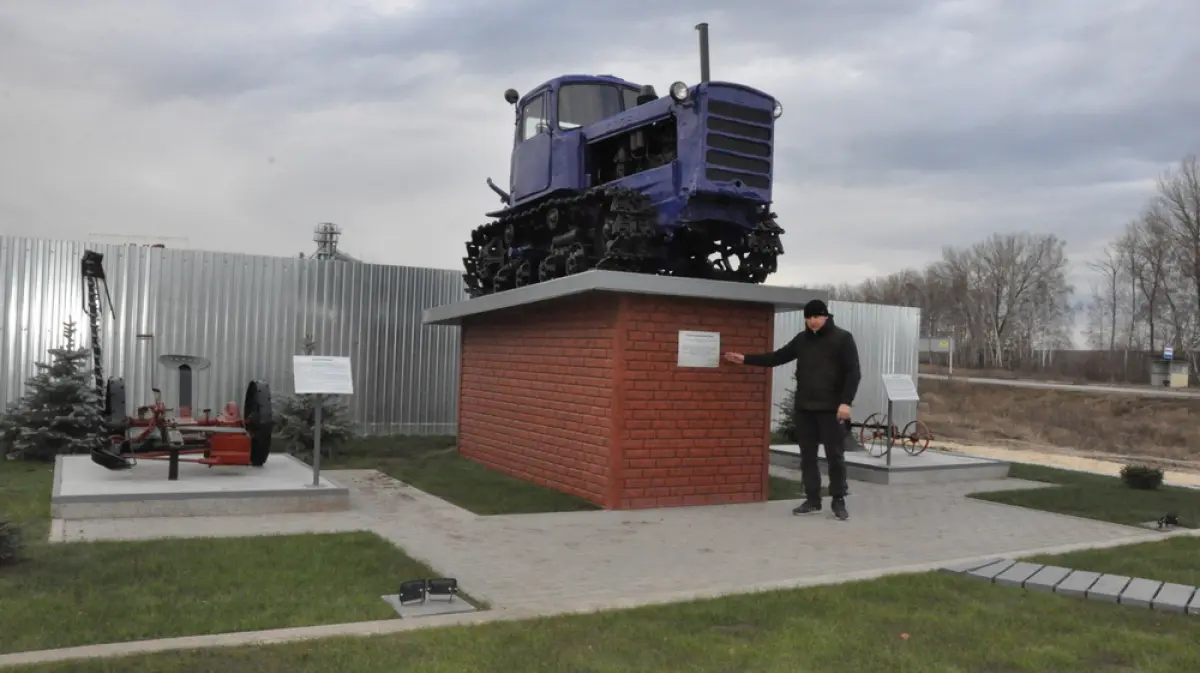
(786, 429)
(60, 412)
(295, 422)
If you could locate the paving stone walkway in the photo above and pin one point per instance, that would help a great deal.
(569, 560)
(544, 564)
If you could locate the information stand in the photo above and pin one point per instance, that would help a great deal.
(899, 388)
(321, 375)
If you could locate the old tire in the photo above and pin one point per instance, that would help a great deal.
(260, 421)
(116, 416)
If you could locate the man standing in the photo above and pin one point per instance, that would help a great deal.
(827, 378)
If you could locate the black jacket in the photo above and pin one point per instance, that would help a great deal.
(827, 368)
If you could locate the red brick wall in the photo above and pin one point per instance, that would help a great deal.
(692, 436)
(536, 402)
(583, 395)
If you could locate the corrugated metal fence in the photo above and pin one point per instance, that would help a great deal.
(247, 315)
(887, 338)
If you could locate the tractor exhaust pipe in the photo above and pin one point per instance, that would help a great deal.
(703, 28)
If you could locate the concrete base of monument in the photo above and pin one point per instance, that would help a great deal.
(431, 607)
(85, 490)
(929, 467)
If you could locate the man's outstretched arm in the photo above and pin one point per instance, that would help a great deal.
(783, 355)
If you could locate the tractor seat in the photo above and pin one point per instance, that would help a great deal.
(230, 413)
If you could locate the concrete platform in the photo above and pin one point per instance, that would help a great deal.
(929, 467)
(431, 607)
(782, 298)
(85, 490)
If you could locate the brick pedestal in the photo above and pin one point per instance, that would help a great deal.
(580, 390)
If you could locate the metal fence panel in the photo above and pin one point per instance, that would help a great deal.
(888, 343)
(248, 315)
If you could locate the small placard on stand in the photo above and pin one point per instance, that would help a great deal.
(321, 375)
(898, 388)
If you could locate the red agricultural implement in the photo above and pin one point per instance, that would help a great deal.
(234, 436)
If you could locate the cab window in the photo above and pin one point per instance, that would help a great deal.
(583, 104)
(534, 119)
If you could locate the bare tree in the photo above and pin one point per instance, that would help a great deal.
(1107, 299)
(1178, 205)
(1007, 303)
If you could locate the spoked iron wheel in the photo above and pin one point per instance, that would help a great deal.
(873, 435)
(916, 438)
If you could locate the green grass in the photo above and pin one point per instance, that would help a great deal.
(434, 465)
(25, 496)
(81, 593)
(1171, 560)
(954, 624)
(1100, 497)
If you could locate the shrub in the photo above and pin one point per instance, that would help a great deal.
(10, 542)
(785, 431)
(1143, 477)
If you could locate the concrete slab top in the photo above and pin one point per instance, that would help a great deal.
(782, 298)
(78, 479)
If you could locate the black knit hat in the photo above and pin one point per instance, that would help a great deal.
(814, 308)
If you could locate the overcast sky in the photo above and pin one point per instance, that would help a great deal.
(908, 124)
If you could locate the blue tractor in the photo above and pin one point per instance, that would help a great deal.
(605, 174)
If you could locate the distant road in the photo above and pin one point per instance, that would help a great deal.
(1049, 385)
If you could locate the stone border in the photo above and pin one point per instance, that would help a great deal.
(1144, 593)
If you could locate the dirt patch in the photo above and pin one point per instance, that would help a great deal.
(1115, 426)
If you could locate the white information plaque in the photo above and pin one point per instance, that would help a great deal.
(699, 349)
(900, 388)
(322, 375)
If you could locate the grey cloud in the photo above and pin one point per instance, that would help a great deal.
(989, 115)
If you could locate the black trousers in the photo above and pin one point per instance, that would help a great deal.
(815, 428)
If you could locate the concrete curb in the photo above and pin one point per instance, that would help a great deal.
(383, 627)
(1149, 594)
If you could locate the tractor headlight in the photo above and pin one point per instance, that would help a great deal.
(679, 91)
(778, 111)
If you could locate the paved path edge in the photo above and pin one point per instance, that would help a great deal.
(388, 626)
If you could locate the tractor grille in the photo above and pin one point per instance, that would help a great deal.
(739, 144)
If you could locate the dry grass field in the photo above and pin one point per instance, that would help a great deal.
(1161, 431)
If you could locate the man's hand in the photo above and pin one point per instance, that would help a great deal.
(736, 358)
(843, 412)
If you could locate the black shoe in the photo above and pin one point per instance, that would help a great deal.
(808, 507)
(839, 509)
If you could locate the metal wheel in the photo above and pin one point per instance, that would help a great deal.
(916, 438)
(873, 434)
(524, 274)
(259, 421)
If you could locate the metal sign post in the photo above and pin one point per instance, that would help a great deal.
(939, 345)
(899, 388)
(319, 376)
